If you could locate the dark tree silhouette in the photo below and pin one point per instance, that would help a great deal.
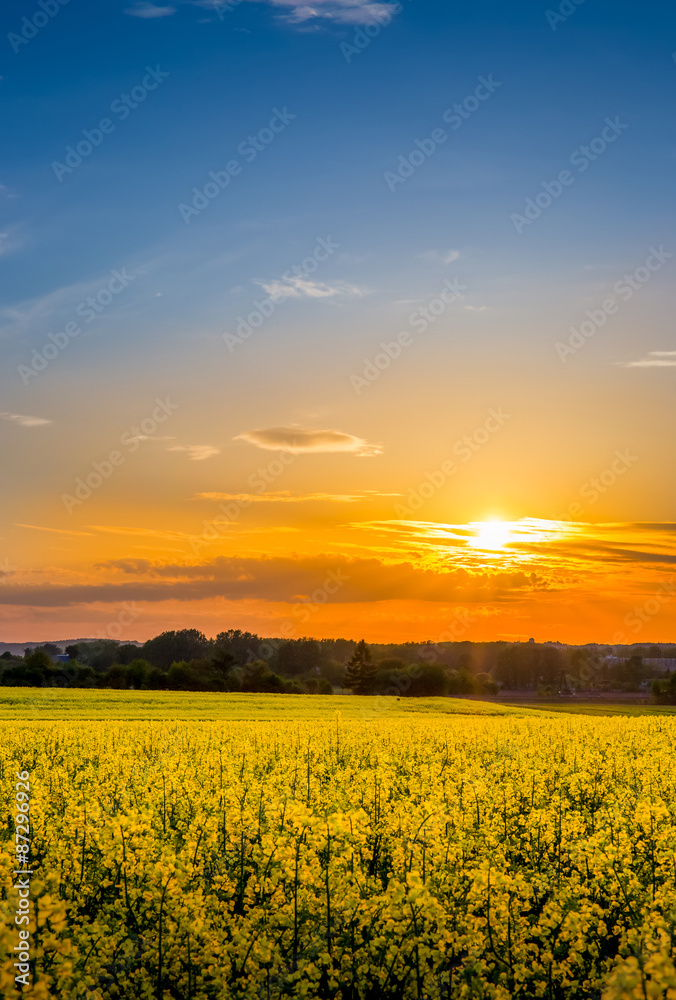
(173, 647)
(242, 646)
(361, 670)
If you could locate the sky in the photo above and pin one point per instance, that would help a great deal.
(338, 319)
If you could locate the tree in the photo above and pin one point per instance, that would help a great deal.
(333, 672)
(665, 690)
(126, 653)
(221, 661)
(484, 684)
(631, 672)
(586, 668)
(115, 677)
(99, 654)
(242, 646)
(390, 663)
(428, 680)
(393, 676)
(361, 670)
(175, 647)
(181, 677)
(317, 685)
(50, 648)
(84, 676)
(298, 656)
(257, 677)
(137, 672)
(27, 672)
(459, 682)
(465, 662)
(526, 664)
(39, 660)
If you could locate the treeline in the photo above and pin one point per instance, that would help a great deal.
(664, 690)
(186, 660)
(552, 669)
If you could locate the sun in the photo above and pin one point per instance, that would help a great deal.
(491, 534)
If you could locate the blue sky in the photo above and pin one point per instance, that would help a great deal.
(351, 111)
(352, 122)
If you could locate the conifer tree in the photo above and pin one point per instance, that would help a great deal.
(361, 670)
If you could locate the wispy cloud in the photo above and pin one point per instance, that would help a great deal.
(440, 256)
(149, 10)
(339, 11)
(298, 439)
(297, 287)
(196, 452)
(291, 11)
(6, 570)
(55, 531)
(50, 309)
(655, 359)
(24, 421)
(114, 529)
(152, 437)
(284, 496)
(13, 236)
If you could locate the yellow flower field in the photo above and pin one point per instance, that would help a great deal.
(411, 856)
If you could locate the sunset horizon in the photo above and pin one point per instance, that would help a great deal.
(417, 581)
(411, 329)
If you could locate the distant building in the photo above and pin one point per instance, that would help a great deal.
(663, 665)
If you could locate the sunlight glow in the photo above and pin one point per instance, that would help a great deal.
(491, 534)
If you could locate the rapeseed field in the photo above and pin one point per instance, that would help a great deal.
(346, 858)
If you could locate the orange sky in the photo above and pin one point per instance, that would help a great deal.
(294, 565)
(118, 482)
